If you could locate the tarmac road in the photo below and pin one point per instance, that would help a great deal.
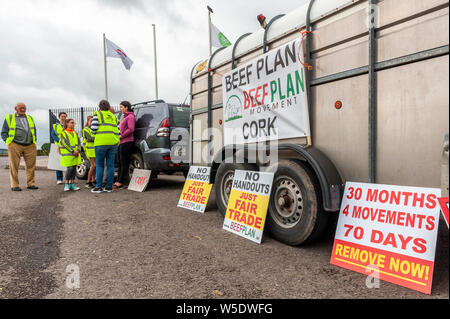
(140, 245)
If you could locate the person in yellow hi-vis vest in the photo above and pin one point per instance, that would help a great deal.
(57, 129)
(19, 133)
(107, 139)
(70, 147)
(89, 150)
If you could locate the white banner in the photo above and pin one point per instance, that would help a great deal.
(265, 99)
(54, 159)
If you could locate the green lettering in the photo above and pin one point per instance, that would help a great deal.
(273, 88)
(279, 91)
(298, 81)
(290, 86)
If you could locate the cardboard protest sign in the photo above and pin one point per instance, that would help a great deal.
(265, 99)
(196, 189)
(54, 159)
(247, 205)
(444, 207)
(139, 180)
(391, 229)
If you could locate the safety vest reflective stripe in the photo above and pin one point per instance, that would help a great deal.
(65, 143)
(69, 144)
(88, 146)
(107, 132)
(11, 121)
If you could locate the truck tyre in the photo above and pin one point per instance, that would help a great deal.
(224, 181)
(295, 214)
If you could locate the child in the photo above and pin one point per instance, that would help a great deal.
(89, 149)
(70, 153)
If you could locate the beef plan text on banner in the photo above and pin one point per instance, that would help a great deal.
(265, 99)
(391, 230)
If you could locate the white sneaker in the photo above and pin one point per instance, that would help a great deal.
(59, 182)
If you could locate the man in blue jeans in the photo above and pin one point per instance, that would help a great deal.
(57, 129)
(107, 138)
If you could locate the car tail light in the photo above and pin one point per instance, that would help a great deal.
(166, 157)
(164, 128)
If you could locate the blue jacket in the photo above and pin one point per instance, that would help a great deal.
(54, 136)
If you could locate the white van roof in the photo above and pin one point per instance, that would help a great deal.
(284, 25)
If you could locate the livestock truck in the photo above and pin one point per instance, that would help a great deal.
(333, 91)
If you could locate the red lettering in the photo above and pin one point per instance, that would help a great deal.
(246, 100)
(257, 96)
(420, 243)
(264, 92)
(258, 222)
(372, 195)
(376, 237)
(420, 199)
(390, 240)
(430, 223)
(431, 201)
(407, 195)
(404, 241)
(251, 97)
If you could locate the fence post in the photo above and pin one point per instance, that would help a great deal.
(50, 125)
(82, 118)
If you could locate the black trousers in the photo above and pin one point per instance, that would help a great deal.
(71, 173)
(124, 160)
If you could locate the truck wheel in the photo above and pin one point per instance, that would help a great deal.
(295, 214)
(224, 182)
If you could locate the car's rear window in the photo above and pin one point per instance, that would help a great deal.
(179, 115)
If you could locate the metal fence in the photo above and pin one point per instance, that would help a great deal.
(78, 114)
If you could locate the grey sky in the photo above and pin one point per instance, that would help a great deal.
(52, 51)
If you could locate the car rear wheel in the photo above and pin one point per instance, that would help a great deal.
(295, 214)
(224, 182)
(136, 161)
(83, 168)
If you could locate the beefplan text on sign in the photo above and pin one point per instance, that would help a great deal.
(392, 227)
(247, 205)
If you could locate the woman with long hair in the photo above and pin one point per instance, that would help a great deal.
(126, 142)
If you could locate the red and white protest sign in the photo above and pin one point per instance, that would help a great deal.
(139, 180)
(389, 228)
(444, 207)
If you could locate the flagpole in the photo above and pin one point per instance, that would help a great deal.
(209, 28)
(104, 60)
(156, 65)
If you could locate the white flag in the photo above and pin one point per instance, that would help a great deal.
(114, 51)
(218, 39)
